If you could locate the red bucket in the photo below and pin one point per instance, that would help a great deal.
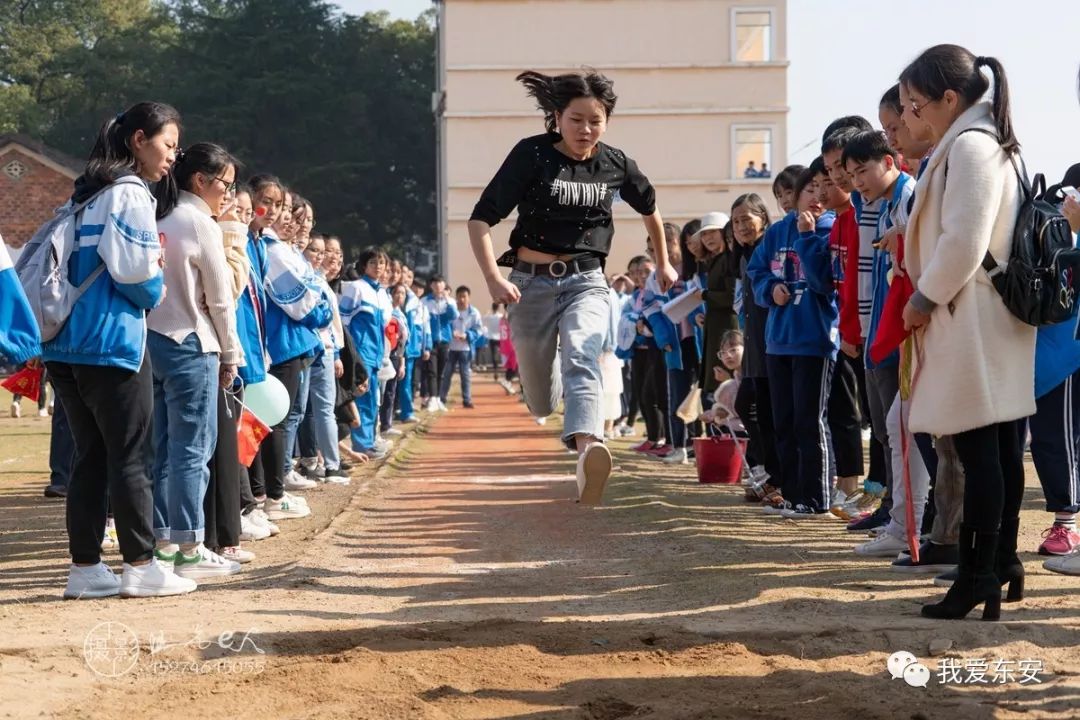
(718, 460)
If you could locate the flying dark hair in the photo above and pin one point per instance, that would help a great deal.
(891, 100)
(951, 67)
(867, 146)
(554, 93)
(858, 122)
(689, 260)
(817, 167)
(839, 139)
(786, 179)
(112, 156)
(205, 158)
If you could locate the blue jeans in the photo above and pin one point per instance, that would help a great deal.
(296, 414)
(679, 382)
(459, 360)
(405, 390)
(318, 431)
(558, 329)
(185, 433)
(363, 437)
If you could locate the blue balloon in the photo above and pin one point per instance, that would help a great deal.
(268, 400)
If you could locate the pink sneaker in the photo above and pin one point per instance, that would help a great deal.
(1060, 540)
(643, 447)
(659, 450)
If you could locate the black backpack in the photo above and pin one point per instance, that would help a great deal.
(1039, 284)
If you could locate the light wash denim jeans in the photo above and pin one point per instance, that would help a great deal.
(558, 329)
(920, 476)
(460, 360)
(318, 431)
(295, 416)
(185, 434)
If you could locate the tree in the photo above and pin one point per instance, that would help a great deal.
(337, 106)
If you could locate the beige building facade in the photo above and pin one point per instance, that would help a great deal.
(702, 88)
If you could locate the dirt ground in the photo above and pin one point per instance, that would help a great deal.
(461, 580)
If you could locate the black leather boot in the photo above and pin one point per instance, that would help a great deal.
(1009, 569)
(976, 584)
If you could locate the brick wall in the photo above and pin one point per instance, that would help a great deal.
(30, 200)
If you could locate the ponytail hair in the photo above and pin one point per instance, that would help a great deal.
(554, 93)
(951, 67)
(891, 100)
(112, 156)
(206, 158)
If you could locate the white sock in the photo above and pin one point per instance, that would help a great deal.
(1065, 519)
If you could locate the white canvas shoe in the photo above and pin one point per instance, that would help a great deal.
(153, 580)
(95, 581)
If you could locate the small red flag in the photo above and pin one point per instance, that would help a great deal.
(249, 435)
(26, 382)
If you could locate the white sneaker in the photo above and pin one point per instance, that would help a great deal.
(95, 581)
(336, 477)
(284, 509)
(153, 580)
(541, 420)
(261, 519)
(676, 457)
(393, 432)
(885, 545)
(250, 530)
(806, 512)
(878, 531)
(203, 563)
(296, 481)
(442, 407)
(1064, 564)
(110, 541)
(43, 412)
(236, 554)
(626, 431)
(432, 405)
(16, 410)
(593, 471)
(296, 499)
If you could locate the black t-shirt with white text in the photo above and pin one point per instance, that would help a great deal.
(564, 205)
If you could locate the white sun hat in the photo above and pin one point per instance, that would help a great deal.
(713, 221)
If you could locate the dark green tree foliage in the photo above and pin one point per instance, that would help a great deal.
(338, 106)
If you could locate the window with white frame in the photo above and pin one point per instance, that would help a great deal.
(751, 151)
(751, 34)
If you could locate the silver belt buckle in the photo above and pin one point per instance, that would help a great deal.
(558, 268)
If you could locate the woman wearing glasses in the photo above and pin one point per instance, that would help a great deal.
(195, 350)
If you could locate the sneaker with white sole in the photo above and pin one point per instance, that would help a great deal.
(336, 477)
(540, 421)
(844, 506)
(626, 431)
(777, 509)
(110, 541)
(153, 580)
(203, 563)
(806, 512)
(93, 581)
(166, 554)
(1064, 564)
(884, 545)
(442, 406)
(393, 432)
(593, 471)
(236, 554)
(676, 457)
(250, 530)
(296, 499)
(260, 518)
(285, 509)
(16, 410)
(432, 405)
(296, 481)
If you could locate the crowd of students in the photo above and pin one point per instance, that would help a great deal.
(865, 310)
(193, 287)
(948, 385)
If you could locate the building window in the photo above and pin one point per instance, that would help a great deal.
(751, 35)
(751, 151)
(15, 170)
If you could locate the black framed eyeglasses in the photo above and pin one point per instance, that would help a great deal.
(230, 187)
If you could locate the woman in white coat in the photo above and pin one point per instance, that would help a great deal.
(975, 372)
